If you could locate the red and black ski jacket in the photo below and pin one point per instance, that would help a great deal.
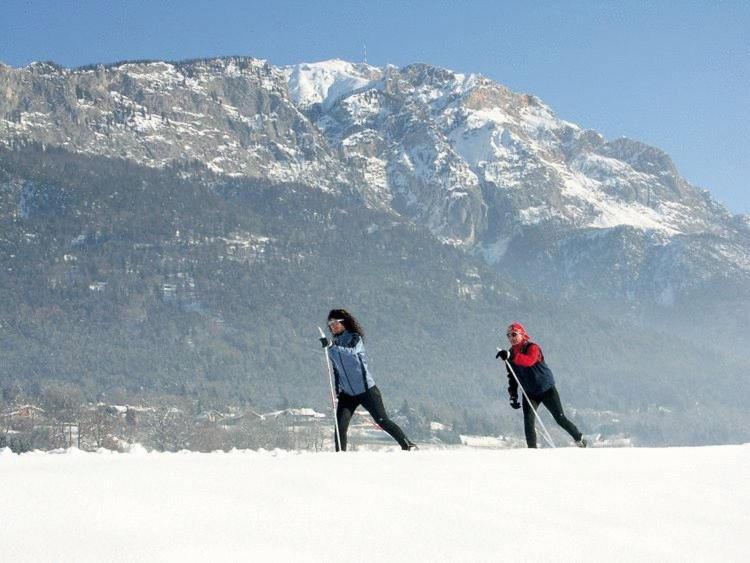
(527, 362)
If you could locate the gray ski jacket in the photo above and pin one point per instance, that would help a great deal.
(349, 361)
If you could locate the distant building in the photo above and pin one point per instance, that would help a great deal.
(24, 411)
(209, 417)
(304, 413)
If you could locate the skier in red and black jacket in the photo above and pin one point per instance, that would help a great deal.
(527, 361)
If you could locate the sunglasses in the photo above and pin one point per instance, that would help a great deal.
(334, 321)
(510, 334)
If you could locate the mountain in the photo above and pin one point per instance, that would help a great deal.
(496, 172)
(183, 227)
(482, 167)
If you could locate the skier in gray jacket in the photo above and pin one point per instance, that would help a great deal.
(354, 383)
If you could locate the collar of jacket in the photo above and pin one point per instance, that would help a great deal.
(342, 335)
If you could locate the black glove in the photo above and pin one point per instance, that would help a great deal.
(503, 355)
(324, 342)
(514, 402)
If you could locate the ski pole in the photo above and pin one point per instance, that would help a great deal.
(546, 435)
(333, 394)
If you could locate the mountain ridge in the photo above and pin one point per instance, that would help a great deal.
(484, 168)
(478, 194)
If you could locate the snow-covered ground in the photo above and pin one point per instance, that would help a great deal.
(633, 504)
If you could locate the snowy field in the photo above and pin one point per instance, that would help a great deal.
(630, 504)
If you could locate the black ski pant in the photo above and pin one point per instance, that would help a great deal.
(372, 400)
(551, 400)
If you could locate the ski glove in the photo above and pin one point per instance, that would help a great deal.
(514, 403)
(503, 355)
(324, 342)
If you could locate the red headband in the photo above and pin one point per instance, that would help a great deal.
(518, 327)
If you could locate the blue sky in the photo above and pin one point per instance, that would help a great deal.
(673, 74)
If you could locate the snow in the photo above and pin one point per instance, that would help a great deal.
(608, 211)
(155, 76)
(483, 441)
(362, 106)
(536, 214)
(606, 504)
(540, 116)
(480, 142)
(326, 81)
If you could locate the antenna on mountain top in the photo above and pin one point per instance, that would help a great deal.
(364, 48)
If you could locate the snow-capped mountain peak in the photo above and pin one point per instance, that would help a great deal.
(483, 167)
(325, 81)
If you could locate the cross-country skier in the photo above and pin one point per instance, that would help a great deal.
(527, 361)
(354, 383)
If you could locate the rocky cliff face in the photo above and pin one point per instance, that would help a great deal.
(498, 173)
(233, 115)
(489, 170)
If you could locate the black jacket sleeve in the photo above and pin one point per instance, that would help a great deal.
(335, 379)
(512, 384)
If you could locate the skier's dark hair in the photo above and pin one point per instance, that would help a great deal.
(348, 320)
